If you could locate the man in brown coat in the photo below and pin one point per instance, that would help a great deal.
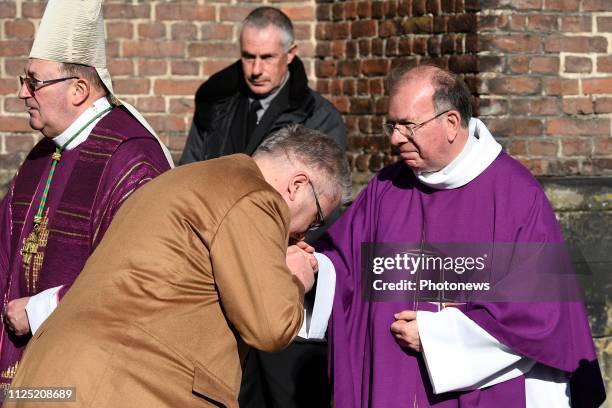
(193, 270)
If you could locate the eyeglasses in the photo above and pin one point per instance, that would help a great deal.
(408, 129)
(34, 84)
(320, 220)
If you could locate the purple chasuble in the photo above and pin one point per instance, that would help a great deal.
(90, 182)
(504, 204)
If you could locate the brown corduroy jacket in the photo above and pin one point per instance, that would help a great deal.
(190, 273)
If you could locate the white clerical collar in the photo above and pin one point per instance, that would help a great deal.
(91, 112)
(479, 152)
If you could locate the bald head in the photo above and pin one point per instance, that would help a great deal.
(404, 72)
(449, 91)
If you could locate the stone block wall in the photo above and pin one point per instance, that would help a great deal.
(583, 208)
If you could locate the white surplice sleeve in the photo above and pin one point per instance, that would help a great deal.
(319, 314)
(40, 307)
(460, 355)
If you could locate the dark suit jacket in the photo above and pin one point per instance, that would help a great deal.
(218, 101)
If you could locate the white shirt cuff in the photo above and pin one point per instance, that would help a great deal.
(324, 300)
(460, 355)
(40, 307)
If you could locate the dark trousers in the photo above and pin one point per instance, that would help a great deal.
(293, 378)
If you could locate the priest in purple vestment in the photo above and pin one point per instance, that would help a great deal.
(454, 184)
(94, 153)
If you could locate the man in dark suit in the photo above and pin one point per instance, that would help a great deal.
(265, 90)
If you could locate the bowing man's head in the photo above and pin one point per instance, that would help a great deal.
(429, 112)
(309, 170)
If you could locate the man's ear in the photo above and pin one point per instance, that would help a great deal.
(296, 182)
(291, 53)
(453, 124)
(80, 91)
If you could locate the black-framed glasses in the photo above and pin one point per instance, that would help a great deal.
(320, 220)
(34, 84)
(408, 129)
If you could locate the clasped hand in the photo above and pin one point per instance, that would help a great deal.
(15, 317)
(405, 330)
(302, 263)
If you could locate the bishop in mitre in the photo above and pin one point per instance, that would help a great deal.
(95, 151)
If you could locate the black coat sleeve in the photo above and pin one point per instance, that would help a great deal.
(327, 119)
(194, 148)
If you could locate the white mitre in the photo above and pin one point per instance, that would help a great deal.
(72, 31)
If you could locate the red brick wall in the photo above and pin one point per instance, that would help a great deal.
(547, 87)
(158, 53)
(541, 71)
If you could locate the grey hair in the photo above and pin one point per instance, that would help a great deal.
(317, 152)
(85, 72)
(262, 17)
(450, 92)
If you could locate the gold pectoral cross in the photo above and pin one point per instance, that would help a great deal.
(30, 247)
(9, 373)
(32, 252)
